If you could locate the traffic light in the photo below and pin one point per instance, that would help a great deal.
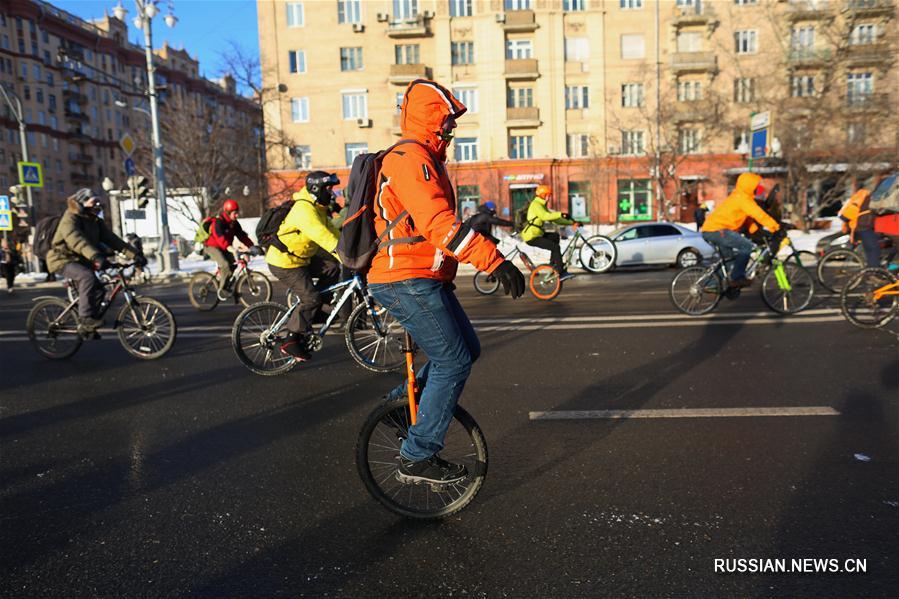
(140, 190)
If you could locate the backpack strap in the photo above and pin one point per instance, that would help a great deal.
(399, 217)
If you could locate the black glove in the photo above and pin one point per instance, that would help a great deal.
(140, 260)
(566, 216)
(256, 250)
(511, 278)
(100, 262)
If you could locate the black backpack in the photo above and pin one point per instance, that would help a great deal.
(43, 235)
(358, 242)
(268, 225)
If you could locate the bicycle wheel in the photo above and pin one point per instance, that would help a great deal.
(257, 346)
(146, 330)
(203, 291)
(696, 290)
(545, 282)
(837, 267)
(254, 287)
(375, 341)
(787, 288)
(378, 450)
(598, 254)
(485, 284)
(857, 299)
(52, 329)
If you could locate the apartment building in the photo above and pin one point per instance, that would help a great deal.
(615, 104)
(81, 84)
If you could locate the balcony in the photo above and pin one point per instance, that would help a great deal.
(862, 55)
(403, 74)
(415, 27)
(870, 8)
(869, 103)
(808, 57)
(81, 158)
(81, 178)
(702, 13)
(809, 10)
(519, 21)
(521, 69)
(79, 136)
(74, 95)
(694, 62)
(523, 117)
(690, 112)
(74, 116)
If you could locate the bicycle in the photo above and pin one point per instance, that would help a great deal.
(246, 285)
(378, 450)
(145, 326)
(870, 300)
(369, 333)
(839, 265)
(786, 287)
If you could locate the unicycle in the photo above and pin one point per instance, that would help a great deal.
(378, 451)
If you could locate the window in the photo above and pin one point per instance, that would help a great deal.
(802, 86)
(632, 47)
(462, 52)
(745, 41)
(862, 34)
(41, 118)
(741, 141)
(521, 147)
(54, 122)
(518, 49)
(856, 133)
(299, 110)
(689, 91)
(468, 196)
(349, 11)
(689, 41)
(406, 54)
(859, 87)
(632, 95)
(297, 61)
(302, 157)
(351, 59)
(352, 150)
(574, 5)
(399, 102)
(466, 149)
(522, 97)
(355, 105)
(460, 8)
(577, 49)
(578, 145)
(405, 10)
(688, 141)
(295, 14)
(802, 38)
(577, 96)
(745, 2)
(579, 199)
(516, 4)
(634, 199)
(469, 97)
(744, 90)
(630, 4)
(632, 142)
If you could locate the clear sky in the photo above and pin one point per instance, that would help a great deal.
(204, 26)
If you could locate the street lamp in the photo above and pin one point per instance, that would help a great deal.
(23, 140)
(146, 11)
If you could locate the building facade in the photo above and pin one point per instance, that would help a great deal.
(629, 109)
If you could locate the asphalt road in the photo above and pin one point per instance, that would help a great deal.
(192, 476)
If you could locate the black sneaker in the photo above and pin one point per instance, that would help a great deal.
(91, 324)
(295, 346)
(433, 470)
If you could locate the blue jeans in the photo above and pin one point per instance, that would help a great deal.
(429, 310)
(732, 245)
(871, 244)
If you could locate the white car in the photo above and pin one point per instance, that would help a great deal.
(659, 243)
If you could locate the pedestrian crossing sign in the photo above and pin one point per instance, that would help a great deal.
(30, 174)
(5, 221)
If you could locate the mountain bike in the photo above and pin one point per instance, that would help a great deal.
(246, 285)
(870, 299)
(145, 326)
(786, 287)
(372, 336)
(841, 264)
(378, 452)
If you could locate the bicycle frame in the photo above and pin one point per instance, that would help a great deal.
(411, 382)
(120, 286)
(352, 286)
(882, 292)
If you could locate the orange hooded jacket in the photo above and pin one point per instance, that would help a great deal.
(857, 211)
(739, 207)
(414, 178)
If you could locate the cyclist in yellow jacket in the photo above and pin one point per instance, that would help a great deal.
(533, 233)
(305, 229)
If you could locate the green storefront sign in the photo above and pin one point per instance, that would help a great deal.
(634, 200)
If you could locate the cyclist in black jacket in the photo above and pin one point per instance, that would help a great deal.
(485, 218)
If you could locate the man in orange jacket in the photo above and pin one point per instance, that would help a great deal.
(412, 273)
(858, 220)
(721, 227)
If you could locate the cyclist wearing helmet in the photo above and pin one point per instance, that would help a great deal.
(222, 231)
(485, 219)
(310, 237)
(77, 249)
(533, 233)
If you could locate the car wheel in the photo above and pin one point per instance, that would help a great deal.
(688, 257)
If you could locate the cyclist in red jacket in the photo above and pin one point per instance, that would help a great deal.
(222, 231)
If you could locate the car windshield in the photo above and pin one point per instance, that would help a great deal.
(884, 187)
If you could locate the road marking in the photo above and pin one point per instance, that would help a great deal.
(683, 413)
(664, 316)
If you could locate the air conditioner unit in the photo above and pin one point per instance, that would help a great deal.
(501, 18)
(383, 17)
(428, 14)
(358, 27)
(614, 150)
(363, 123)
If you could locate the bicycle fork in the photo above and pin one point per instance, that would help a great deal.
(781, 275)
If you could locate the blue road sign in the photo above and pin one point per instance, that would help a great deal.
(4, 203)
(30, 174)
(5, 221)
(759, 143)
(129, 166)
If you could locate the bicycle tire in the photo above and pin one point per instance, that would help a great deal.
(485, 284)
(202, 290)
(545, 283)
(598, 254)
(377, 450)
(361, 334)
(151, 339)
(251, 324)
(690, 286)
(836, 267)
(802, 289)
(857, 302)
(45, 341)
(254, 285)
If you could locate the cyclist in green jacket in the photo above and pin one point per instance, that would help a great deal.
(533, 233)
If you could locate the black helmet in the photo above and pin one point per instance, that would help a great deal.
(317, 181)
